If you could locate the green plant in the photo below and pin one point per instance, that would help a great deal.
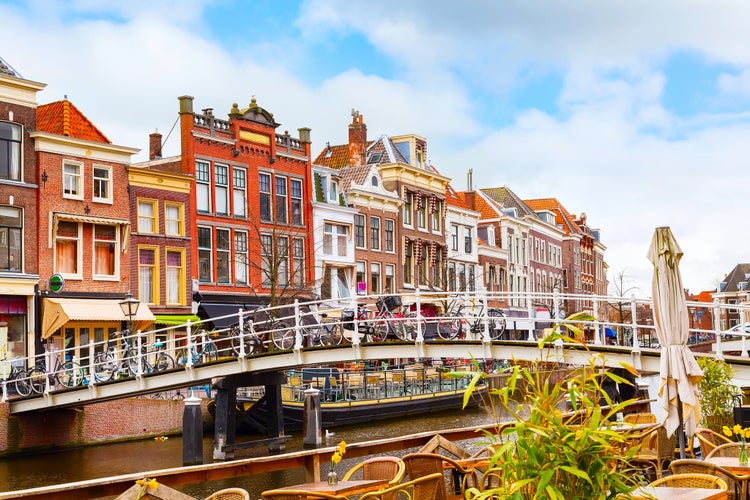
(717, 393)
(545, 452)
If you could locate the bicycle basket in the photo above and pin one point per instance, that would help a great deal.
(347, 319)
(389, 302)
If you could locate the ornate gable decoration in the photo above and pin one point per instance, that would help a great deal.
(254, 113)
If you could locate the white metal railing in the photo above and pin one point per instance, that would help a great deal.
(453, 316)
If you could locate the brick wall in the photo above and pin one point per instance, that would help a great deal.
(110, 421)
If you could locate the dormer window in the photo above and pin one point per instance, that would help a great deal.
(334, 191)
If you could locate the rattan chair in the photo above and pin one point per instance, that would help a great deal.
(725, 450)
(656, 448)
(390, 468)
(709, 440)
(736, 485)
(423, 464)
(639, 418)
(423, 488)
(299, 495)
(229, 494)
(706, 481)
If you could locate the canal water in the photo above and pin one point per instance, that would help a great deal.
(92, 462)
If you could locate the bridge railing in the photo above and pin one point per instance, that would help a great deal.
(421, 316)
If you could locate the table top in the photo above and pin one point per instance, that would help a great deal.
(340, 488)
(669, 493)
(732, 464)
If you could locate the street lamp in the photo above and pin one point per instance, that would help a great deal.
(129, 308)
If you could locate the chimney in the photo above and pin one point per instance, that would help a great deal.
(154, 145)
(470, 180)
(357, 140)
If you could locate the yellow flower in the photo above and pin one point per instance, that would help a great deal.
(336, 458)
(737, 429)
(342, 447)
(727, 431)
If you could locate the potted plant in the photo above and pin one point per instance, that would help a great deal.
(546, 452)
(717, 393)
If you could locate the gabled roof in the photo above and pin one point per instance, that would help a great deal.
(333, 156)
(63, 118)
(509, 199)
(563, 218)
(487, 208)
(353, 175)
(383, 150)
(6, 69)
(740, 273)
(454, 199)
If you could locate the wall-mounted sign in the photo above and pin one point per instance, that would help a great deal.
(361, 288)
(56, 283)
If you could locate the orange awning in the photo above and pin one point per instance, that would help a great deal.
(57, 312)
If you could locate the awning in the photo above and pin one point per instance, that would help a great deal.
(57, 312)
(175, 319)
(215, 311)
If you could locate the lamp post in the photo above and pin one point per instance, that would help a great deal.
(129, 308)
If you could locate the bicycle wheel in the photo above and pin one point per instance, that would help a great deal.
(282, 336)
(70, 374)
(23, 387)
(402, 327)
(379, 331)
(37, 378)
(131, 357)
(104, 366)
(330, 332)
(450, 328)
(496, 320)
(209, 352)
(252, 343)
(163, 362)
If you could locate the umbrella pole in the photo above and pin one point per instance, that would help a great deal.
(680, 428)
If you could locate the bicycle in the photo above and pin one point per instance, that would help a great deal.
(202, 350)
(253, 340)
(385, 322)
(323, 332)
(452, 325)
(16, 377)
(107, 364)
(282, 334)
(68, 373)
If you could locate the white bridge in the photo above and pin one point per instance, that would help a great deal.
(251, 356)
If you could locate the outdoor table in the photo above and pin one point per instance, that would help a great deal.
(670, 493)
(341, 488)
(732, 464)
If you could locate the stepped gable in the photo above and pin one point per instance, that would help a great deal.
(563, 218)
(509, 199)
(5, 69)
(64, 118)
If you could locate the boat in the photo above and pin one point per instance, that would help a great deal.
(352, 395)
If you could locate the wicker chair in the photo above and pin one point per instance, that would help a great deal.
(656, 449)
(725, 450)
(709, 440)
(423, 488)
(423, 464)
(736, 485)
(299, 495)
(390, 468)
(639, 418)
(706, 481)
(229, 494)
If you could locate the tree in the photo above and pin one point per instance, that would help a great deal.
(621, 286)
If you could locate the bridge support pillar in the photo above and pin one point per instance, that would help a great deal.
(275, 425)
(313, 419)
(224, 422)
(192, 432)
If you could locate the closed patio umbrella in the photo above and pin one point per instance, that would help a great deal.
(680, 373)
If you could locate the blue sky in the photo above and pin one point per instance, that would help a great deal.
(636, 113)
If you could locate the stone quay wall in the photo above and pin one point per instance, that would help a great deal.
(109, 421)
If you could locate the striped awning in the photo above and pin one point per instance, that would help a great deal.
(57, 312)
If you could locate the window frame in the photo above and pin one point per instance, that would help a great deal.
(78, 177)
(182, 276)
(408, 212)
(239, 192)
(180, 221)
(296, 202)
(266, 256)
(298, 262)
(375, 233)
(79, 250)
(203, 183)
(390, 235)
(221, 189)
(266, 195)
(13, 144)
(241, 257)
(154, 273)
(95, 181)
(223, 238)
(115, 244)
(7, 237)
(208, 250)
(281, 199)
(154, 204)
(359, 231)
(376, 278)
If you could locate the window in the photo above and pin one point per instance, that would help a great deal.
(147, 216)
(296, 202)
(174, 219)
(334, 192)
(72, 180)
(335, 283)
(409, 262)
(265, 197)
(424, 264)
(471, 278)
(389, 225)
(408, 198)
(374, 278)
(68, 248)
(359, 230)
(361, 278)
(282, 255)
(436, 210)
(467, 239)
(203, 186)
(281, 200)
(223, 255)
(454, 237)
(389, 286)
(105, 257)
(240, 257)
(239, 192)
(176, 276)
(452, 276)
(462, 277)
(10, 151)
(147, 275)
(11, 230)
(422, 213)
(221, 173)
(338, 233)
(102, 184)
(436, 268)
(204, 254)
(491, 236)
(298, 262)
(374, 233)
(266, 257)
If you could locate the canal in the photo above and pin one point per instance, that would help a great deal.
(93, 462)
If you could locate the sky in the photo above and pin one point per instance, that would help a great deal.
(636, 113)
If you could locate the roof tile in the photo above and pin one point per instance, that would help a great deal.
(64, 118)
